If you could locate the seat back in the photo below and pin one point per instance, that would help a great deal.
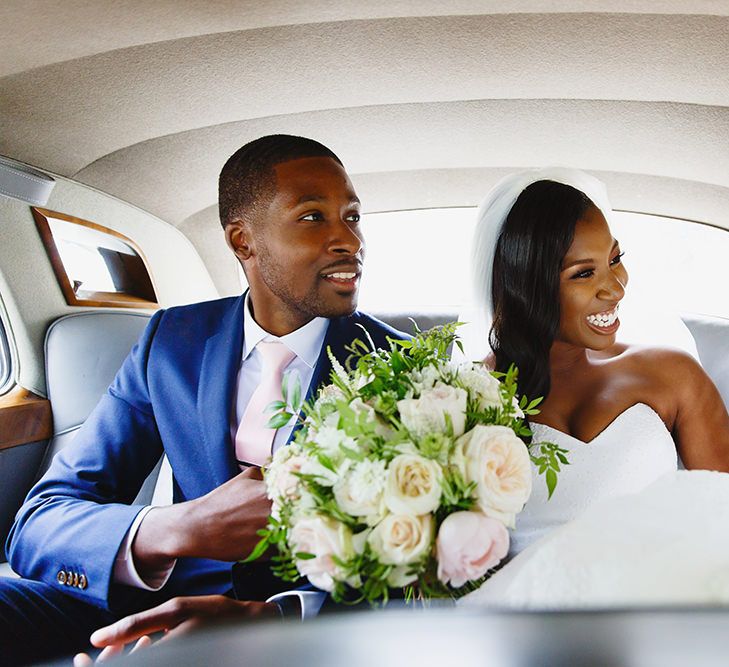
(83, 353)
(712, 342)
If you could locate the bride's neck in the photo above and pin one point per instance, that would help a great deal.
(567, 358)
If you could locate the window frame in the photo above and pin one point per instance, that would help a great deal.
(95, 299)
(6, 360)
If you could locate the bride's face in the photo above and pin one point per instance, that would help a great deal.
(592, 283)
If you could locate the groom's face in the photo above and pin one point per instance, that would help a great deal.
(306, 246)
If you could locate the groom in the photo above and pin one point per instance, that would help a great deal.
(291, 217)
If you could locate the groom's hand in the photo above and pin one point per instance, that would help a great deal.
(221, 525)
(175, 617)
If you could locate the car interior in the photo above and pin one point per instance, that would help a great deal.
(115, 119)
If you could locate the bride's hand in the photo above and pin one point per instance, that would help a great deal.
(175, 617)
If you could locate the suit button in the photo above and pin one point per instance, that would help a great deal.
(69, 577)
(75, 580)
(61, 577)
(82, 582)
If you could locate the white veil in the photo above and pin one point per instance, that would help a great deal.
(491, 217)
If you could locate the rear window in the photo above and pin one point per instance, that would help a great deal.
(94, 265)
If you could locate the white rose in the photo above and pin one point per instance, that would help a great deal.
(481, 385)
(400, 539)
(498, 462)
(427, 413)
(413, 485)
(323, 538)
(359, 491)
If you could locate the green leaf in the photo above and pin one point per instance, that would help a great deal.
(279, 420)
(551, 478)
(303, 555)
(275, 406)
(285, 386)
(258, 550)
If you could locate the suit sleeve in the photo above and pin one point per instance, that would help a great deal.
(69, 530)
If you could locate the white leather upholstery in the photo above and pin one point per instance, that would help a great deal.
(712, 342)
(83, 353)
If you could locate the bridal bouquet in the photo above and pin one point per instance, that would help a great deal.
(406, 473)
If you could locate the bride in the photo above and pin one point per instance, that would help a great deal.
(552, 276)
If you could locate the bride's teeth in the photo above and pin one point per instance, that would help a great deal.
(603, 319)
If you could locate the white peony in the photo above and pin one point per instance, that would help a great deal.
(481, 385)
(401, 539)
(424, 379)
(427, 414)
(324, 538)
(330, 439)
(324, 475)
(413, 485)
(498, 462)
(281, 480)
(360, 489)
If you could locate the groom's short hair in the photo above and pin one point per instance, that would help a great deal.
(248, 179)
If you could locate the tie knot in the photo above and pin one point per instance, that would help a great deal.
(275, 355)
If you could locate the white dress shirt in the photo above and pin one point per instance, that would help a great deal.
(306, 343)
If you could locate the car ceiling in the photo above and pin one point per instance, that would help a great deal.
(427, 102)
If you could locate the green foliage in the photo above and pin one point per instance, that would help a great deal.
(355, 421)
(548, 462)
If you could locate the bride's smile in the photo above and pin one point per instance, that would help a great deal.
(592, 283)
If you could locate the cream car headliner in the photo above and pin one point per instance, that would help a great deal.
(427, 102)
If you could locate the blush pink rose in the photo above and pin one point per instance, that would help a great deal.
(469, 544)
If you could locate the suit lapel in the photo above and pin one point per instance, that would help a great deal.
(218, 376)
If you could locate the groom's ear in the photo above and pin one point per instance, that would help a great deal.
(239, 239)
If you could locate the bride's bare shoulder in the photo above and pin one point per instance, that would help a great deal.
(659, 361)
(489, 361)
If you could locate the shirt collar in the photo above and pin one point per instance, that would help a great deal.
(305, 342)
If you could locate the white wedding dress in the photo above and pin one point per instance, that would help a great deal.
(623, 529)
(634, 450)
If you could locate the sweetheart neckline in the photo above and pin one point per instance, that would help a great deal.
(604, 430)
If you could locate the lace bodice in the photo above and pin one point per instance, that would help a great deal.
(634, 450)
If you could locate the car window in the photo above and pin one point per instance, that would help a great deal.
(419, 261)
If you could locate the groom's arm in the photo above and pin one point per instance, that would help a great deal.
(70, 527)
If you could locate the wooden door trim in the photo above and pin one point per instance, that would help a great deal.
(24, 418)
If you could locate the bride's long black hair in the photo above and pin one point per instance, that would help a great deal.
(525, 290)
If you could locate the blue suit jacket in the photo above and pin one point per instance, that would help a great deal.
(173, 395)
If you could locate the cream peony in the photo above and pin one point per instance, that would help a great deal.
(469, 544)
(359, 490)
(400, 539)
(413, 485)
(498, 462)
(427, 414)
(324, 538)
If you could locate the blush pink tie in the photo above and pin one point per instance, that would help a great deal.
(254, 439)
